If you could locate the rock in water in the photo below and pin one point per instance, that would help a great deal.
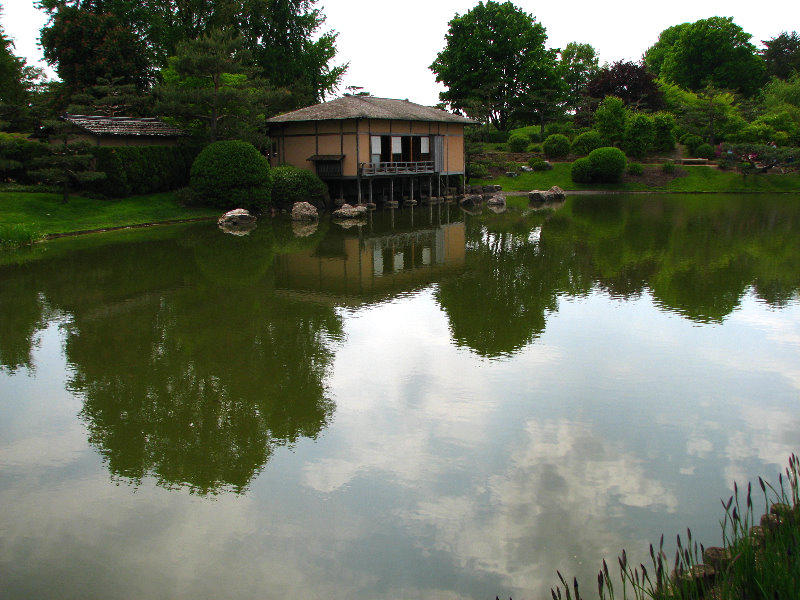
(238, 216)
(350, 212)
(555, 194)
(304, 211)
(237, 222)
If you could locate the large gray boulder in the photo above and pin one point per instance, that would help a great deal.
(304, 211)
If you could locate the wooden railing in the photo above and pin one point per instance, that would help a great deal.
(381, 168)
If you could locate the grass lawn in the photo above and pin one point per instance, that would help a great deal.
(46, 214)
(690, 179)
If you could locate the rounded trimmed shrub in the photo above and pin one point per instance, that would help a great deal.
(691, 142)
(704, 151)
(539, 164)
(232, 174)
(608, 164)
(586, 142)
(292, 184)
(518, 142)
(477, 171)
(635, 169)
(535, 148)
(581, 171)
(668, 168)
(556, 146)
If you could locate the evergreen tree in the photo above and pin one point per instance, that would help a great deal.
(209, 83)
(69, 165)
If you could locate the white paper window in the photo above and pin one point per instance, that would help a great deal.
(397, 145)
(375, 144)
(425, 145)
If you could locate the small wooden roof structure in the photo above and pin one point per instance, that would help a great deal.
(123, 126)
(369, 107)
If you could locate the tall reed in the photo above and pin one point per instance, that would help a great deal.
(758, 561)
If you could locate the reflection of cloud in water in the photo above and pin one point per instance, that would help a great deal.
(772, 436)
(549, 510)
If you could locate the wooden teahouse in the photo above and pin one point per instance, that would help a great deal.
(372, 149)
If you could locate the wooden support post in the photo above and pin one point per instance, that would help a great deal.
(370, 190)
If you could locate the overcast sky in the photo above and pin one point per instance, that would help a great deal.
(390, 45)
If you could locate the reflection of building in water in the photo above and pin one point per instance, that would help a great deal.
(374, 264)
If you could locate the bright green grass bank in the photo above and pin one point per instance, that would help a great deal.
(695, 179)
(47, 215)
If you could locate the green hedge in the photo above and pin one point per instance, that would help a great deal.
(17, 155)
(135, 170)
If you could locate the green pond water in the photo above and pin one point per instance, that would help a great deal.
(433, 404)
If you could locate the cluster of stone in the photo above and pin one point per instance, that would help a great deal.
(554, 194)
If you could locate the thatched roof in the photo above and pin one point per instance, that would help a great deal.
(123, 126)
(369, 107)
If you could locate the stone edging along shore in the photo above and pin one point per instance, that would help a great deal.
(53, 236)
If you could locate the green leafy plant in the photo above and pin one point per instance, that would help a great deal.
(635, 169)
(639, 135)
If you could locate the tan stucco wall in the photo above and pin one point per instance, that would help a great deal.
(296, 142)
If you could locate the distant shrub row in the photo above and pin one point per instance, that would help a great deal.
(134, 170)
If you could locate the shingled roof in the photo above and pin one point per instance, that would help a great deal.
(369, 107)
(123, 126)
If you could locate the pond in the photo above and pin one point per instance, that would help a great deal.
(432, 404)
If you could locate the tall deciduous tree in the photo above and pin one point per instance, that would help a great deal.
(654, 56)
(713, 51)
(83, 45)
(494, 55)
(578, 66)
(284, 37)
(782, 55)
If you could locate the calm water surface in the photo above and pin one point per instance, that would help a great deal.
(431, 405)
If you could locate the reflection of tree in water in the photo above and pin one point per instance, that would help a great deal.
(698, 257)
(202, 396)
(191, 370)
(499, 304)
(21, 316)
